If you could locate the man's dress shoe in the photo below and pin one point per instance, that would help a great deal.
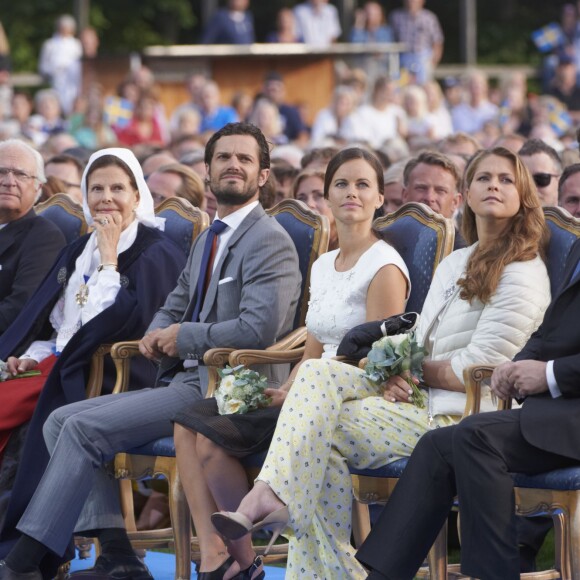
(121, 568)
(7, 573)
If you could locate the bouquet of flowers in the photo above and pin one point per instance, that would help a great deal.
(399, 354)
(240, 390)
(5, 375)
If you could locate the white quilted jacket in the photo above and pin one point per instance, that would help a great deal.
(476, 333)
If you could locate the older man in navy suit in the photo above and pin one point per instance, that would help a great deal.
(29, 243)
(245, 297)
(475, 458)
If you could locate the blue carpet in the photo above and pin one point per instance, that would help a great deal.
(162, 567)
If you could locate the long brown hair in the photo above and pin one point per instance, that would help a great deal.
(522, 241)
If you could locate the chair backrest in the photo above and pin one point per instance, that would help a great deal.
(183, 221)
(65, 213)
(564, 231)
(309, 232)
(423, 238)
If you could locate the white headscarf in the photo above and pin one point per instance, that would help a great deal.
(67, 317)
(145, 212)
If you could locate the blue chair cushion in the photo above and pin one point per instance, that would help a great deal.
(394, 469)
(303, 237)
(70, 225)
(164, 447)
(566, 479)
(178, 228)
(417, 244)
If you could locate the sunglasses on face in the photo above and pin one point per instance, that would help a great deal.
(543, 179)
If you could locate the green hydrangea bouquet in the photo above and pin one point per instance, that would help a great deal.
(241, 390)
(399, 354)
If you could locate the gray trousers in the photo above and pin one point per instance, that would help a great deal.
(75, 492)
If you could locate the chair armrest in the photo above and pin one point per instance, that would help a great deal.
(473, 377)
(95, 382)
(288, 350)
(213, 359)
(121, 353)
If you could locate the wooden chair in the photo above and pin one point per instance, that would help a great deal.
(309, 232)
(65, 213)
(183, 221)
(556, 493)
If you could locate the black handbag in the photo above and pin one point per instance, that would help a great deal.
(358, 341)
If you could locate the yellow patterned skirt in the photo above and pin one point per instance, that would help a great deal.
(333, 417)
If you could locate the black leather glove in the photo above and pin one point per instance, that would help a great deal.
(358, 341)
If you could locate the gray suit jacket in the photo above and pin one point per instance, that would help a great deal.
(252, 307)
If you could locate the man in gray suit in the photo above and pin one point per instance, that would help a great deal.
(250, 299)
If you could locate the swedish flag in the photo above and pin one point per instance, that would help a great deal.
(118, 112)
(548, 37)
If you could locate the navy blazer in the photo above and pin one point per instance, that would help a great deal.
(149, 270)
(547, 423)
(28, 248)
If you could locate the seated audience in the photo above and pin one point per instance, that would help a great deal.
(438, 112)
(103, 288)
(419, 121)
(214, 116)
(545, 165)
(292, 123)
(266, 116)
(336, 121)
(29, 244)
(334, 417)
(286, 30)
(318, 158)
(47, 119)
(284, 175)
(69, 170)
(433, 179)
(364, 279)
(370, 24)
(475, 460)
(176, 180)
(144, 128)
(569, 189)
(309, 188)
(393, 192)
(382, 118)
(156, 160)
(317, 22)
(233, 24)
(257, 307)
(470, 116)
(564, 85)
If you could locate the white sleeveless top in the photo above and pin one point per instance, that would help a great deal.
(338, 299)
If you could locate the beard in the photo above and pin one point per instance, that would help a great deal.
(231, 194)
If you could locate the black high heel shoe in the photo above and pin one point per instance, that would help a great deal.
(247, 573)
(218, 573)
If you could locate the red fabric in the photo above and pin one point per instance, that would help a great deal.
(212, 254)
(18, 399)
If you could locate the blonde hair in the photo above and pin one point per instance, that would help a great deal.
(523, 240)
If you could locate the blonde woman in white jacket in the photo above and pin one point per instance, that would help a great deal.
(484, 303)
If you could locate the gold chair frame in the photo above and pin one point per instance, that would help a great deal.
(188, 211)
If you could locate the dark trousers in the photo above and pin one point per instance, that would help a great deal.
(472, 460)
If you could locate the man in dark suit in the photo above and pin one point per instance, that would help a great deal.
(247, 300)
(29, 244)
(474, 459)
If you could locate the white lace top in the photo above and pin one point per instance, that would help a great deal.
(338, 299)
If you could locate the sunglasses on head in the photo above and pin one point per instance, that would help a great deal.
(543, 179)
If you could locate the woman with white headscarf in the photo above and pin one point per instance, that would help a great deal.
(104, 287)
